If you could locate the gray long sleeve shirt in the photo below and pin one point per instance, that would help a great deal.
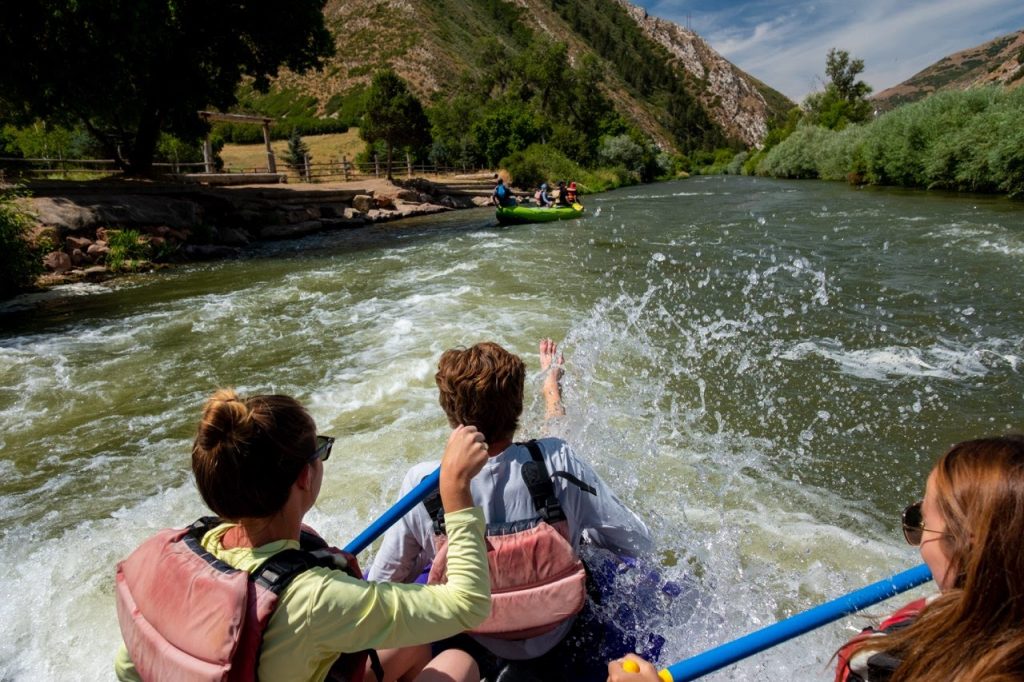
(499, 488)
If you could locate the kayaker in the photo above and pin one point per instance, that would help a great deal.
(970, 531)
(259, 464)
(570, 194)
(502, 195)
(520, 484)
(541, 196)
(562, 199)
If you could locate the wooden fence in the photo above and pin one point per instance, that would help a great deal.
(340, 170)
(68, 169)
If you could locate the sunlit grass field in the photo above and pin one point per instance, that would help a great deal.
(322, 149)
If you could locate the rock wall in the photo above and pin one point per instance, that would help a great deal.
(182, 223)
(731, 98)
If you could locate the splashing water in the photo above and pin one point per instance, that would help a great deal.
(763, 370)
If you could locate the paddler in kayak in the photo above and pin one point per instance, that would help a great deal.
(502, 195)
(541, 502)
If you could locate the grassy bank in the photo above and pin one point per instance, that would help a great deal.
(965, 141)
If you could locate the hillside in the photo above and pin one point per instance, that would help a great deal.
(997, 62)
(433, 43)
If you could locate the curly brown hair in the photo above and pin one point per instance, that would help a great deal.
(482, 386)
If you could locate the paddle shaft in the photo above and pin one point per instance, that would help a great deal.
(397, 511)
(794, 626)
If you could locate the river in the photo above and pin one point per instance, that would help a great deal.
(764, 370)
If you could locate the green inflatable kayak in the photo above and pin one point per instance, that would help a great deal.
(514, 215)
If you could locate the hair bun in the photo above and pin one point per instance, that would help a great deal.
(227, 419)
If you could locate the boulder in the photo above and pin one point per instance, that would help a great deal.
(386, 203)
(408, 195)
(57, 261)
(77, 243)
(95, 273)
(98, 251)
(362, 202)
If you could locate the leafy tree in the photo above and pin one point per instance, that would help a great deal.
(845, 99)
(20, 262)
(505, 128)
(128, 70)
(393, 116)
(295, 156)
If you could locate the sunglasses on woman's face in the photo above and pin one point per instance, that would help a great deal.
(323, 449)
(913, 524)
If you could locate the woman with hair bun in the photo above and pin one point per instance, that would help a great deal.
(255, 594)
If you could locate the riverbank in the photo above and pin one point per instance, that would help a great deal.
(91, 231)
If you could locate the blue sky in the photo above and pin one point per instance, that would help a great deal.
(784, 43)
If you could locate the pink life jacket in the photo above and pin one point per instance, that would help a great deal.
(187, 615)
(537, 578)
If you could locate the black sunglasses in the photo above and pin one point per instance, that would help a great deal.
(913, 524)
(323, 449)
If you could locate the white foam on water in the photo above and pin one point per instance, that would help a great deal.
(941, 361)
(715, 380)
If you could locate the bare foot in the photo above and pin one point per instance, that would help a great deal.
(551, 363)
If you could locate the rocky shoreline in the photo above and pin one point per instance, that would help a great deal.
(79, 223)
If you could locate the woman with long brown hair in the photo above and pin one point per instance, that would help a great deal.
(970, 529)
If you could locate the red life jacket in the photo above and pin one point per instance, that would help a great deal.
(187, 615)
(876, 665)
(537, 579)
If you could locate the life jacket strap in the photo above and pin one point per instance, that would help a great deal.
(538, 482)
(277, 572)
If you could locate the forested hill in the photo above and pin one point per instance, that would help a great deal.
(663, 78)
(997, 62)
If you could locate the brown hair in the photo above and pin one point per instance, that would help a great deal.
(975, 630)
(482, 386)
(249, 451)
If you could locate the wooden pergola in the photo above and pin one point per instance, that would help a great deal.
(237, 118)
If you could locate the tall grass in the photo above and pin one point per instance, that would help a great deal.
(966, 141)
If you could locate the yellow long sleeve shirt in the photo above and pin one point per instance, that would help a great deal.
(324, 613)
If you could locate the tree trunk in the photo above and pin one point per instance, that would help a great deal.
(140, 159)
(389, 162)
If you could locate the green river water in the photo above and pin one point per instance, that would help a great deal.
(764, 370)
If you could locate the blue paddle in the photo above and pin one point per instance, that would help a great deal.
(397, 511)
(794, 626)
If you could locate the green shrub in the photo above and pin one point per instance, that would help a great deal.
(841, 156)
(126, 249)
(20, 261)
(797, 155)
(539, 163)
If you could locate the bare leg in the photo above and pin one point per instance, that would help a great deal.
(401, 665)
(451, 665)
(551, 362)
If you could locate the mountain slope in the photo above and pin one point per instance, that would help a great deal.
(431, 43)
(997, 62)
